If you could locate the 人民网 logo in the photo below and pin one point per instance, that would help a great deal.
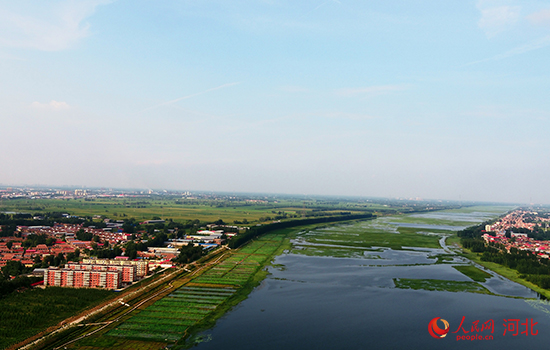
(437, 332)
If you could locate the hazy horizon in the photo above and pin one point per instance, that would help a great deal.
(434, 100)
(262, 194)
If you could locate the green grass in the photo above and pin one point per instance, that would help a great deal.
(439, 285)
(510, 274)
(473, 272)
(365, 235)
(427, 221)
(23, 315)
(453, 241)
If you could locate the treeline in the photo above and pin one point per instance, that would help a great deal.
(474, 232)
(156, 241)
(9, 222)
(189, 253)
(11, 269)
(538, 233)
(531, 268)
(7, 286)
(255, 231)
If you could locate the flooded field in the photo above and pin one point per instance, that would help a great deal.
(377, 285)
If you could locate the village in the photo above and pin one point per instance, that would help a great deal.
(522, 222)
(63, 258)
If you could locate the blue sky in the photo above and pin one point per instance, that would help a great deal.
(429, 99)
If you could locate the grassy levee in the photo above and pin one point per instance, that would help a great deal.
(473, 272)
(510, 274)
(453, 241)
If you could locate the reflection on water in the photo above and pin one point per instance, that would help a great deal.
(475, 216)
(427, 226)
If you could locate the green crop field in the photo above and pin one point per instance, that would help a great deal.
(168, 319)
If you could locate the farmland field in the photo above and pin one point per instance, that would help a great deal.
(177, 209)
(211, 292)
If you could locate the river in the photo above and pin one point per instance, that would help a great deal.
(352, 300)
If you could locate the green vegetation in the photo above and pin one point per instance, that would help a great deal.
(24, 314)
(410, 219)
(473, 272)
(253, 232)
(239, 210)
(453, 241)
(439, 285)
(444, 258)
(363, 235)
(510, 274)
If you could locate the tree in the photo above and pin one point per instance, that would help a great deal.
(189, 253)
(13, 268)
(59, 259)
(48, 261)
(9, 244)
(131, 250)
(37, 261)
(82, 235)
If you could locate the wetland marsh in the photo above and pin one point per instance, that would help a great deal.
(377, 284)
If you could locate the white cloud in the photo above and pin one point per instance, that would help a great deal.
(51, 106)
(496, 19)
(46, 26)
(541, 17)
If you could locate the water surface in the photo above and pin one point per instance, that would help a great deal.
(351, 302)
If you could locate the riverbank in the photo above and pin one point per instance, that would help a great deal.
(192, 336)
(510, 274)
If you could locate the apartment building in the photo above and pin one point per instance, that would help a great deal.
(54, 276)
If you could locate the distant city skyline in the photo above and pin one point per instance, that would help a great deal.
(431, 99)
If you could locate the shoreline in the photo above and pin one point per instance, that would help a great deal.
(503, 271)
